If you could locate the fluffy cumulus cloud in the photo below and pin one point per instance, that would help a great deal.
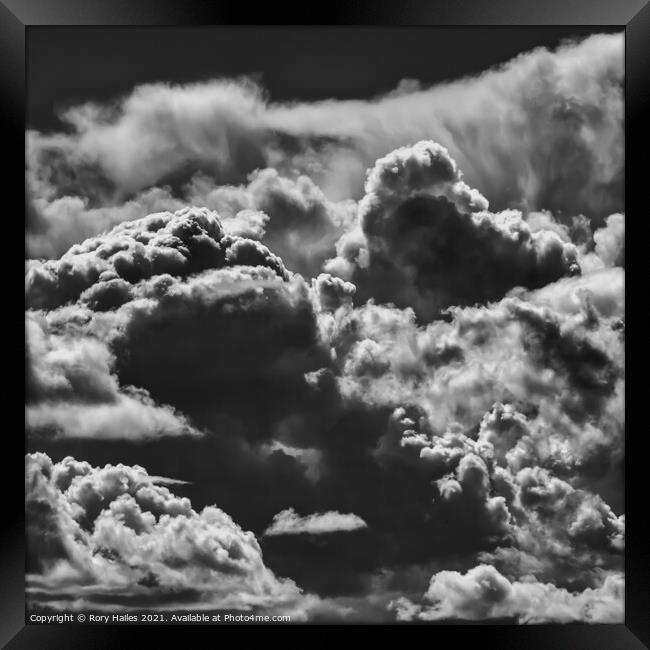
(115, 303)
(411, 390)
(508, 419)
(108, 537)
(181, 243)
(289, 522)
(300, 223)
(291, 215)
(608, 247)
(425, 238)
(483, 593)
(499, 424)
(556, 354)
(164, 297)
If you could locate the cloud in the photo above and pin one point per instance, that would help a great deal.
(566, 156)
(479, 399)
(290, 215)
(425, 239)
(113, 537)
(288, 522)
(610, 241)
(181, 243)
(602, 290)
(240, 337)
(155, 131)
(301, 225)
(608, 245)
(331, 292)
(161, 297)
(165, 296)
(519, 153)
(325, 407)
(55, 225)
(540, 524)
(72, 391)
(453, 375)
(483, 593)
(552, 352)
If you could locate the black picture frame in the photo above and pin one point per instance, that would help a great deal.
(16, 18)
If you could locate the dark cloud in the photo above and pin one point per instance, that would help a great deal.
(480, 401)
(325, 407)
(441, 395)
(73, 391)
(130, 311)
(426, 240)
(222, 351)
(181, 243)
(241, 346)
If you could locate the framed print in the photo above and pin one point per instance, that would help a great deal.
(325, 321)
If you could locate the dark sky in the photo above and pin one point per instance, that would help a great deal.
(76, 64)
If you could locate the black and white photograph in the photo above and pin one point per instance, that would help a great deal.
(325, 325)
